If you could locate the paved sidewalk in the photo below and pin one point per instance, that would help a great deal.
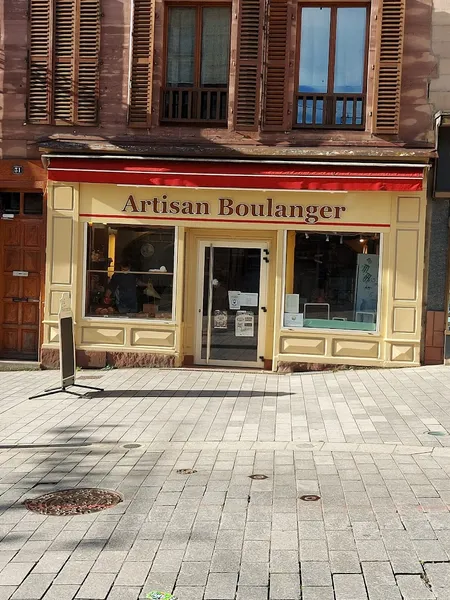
(358, 439)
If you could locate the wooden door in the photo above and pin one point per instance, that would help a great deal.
(22, 251)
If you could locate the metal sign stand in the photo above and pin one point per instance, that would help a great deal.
(66, 355)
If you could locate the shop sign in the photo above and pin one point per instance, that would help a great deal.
(227, 207)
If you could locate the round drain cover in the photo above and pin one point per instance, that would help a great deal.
(310, 498)
(258, 476)
(79, 501)
(436, 433)
(130, 446)
(186, 471)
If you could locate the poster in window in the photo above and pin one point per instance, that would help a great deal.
(366, 293)
(245, 324)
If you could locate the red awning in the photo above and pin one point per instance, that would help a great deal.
(229, 175)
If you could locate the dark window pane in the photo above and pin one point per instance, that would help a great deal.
(215, 46)
(180, 47)
(10, 202)
(350, 50)
(32, 203)
(314, 50)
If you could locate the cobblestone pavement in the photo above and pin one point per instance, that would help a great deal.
(358, 439)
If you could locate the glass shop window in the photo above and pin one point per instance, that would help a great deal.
(332, 280)
(130, 272)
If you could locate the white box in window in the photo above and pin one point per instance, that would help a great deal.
(293, 319)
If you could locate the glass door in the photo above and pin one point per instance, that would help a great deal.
(231, 304)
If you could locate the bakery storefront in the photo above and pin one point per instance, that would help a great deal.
(276, 266)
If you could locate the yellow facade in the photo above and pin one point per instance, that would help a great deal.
(400, 218)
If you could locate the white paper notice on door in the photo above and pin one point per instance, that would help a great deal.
(245, 325)
(248, 299)
(220, 319)
(234, 299)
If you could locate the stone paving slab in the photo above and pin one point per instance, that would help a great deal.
(358, 439)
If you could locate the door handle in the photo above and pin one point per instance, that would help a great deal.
(20, 299)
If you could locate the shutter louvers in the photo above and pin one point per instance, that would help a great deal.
(39, 62)
(248, 78)
(64, 53)
(276, 70)
(88, 67)
(389, 67)
(142, 64)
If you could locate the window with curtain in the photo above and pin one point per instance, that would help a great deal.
(197, 63)
(194, 28)
(332, 62)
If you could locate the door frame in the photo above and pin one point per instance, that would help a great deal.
(262, 316)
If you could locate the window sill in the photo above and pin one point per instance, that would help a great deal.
(107, 319)
(316, 331)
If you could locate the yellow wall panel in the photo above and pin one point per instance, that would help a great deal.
(53, 334)
(63, 198)
(314, 346)
(102, 335)
(405, 274)
(55, 300)
(404, 320)
(355, 349)
(61, 259)
(142, 337)
(402, 353)
(408, 210)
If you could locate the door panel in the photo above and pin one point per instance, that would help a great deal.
(21, 249)
(12, 286)
(11, 314)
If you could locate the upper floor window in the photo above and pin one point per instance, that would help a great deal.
(197, 64)
(331, 86)
(64, 62)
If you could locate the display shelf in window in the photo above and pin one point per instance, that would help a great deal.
(130, 272)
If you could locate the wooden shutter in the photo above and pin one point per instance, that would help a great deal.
(39, 61)
(248, 71)
(389, 67)
(64, 62)
(277, 63)
(142, 64)
(87, 83)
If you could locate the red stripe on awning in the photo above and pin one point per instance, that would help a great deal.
(236, 175)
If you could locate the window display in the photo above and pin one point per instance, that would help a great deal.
(332, 280)
(130, 271)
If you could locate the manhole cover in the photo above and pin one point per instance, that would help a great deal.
(186, 471)
(258, 476)
(80, 501)
(132, 446)
(310, 498)
(437, 433)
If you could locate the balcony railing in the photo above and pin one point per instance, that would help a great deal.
(195, 105)
(340, 111)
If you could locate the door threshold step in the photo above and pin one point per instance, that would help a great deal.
(19, 365)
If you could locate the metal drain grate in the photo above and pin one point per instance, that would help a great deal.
(186, 471)
(258, 476)
(77, 501)
(310, 498)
